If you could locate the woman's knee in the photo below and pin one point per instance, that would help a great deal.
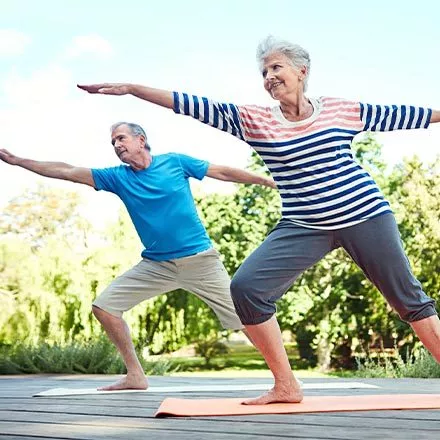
(251, 303)
(238, 287)
(416, 313)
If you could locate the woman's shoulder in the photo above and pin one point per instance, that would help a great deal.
(335, 100)
(255, 111)
(330, 103)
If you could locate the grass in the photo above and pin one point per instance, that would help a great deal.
(100, 357)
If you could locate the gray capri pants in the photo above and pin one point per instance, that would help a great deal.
(290, 249)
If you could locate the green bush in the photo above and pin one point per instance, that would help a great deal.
(97, 357)
(210, 348)
(419, 364)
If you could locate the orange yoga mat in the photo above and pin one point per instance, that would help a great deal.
(171, 407)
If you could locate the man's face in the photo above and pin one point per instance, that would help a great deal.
(125, 144)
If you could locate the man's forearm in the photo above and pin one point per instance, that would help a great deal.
(160, 97)
(241, 176)
(56, 170)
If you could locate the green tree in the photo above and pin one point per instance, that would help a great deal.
(42, 212)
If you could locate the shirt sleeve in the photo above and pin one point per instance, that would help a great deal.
(105, 179)
(394, 117)
(193, 167)
(225, 117)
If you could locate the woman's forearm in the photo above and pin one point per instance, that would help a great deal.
(160, 97)
(435, 117)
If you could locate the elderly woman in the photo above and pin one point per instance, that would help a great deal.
(329, 200)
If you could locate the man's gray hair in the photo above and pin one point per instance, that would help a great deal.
(135, 129)
(296, 54)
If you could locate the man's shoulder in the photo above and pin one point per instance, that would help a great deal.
(173, 158)
(165, 156)
(117, 169)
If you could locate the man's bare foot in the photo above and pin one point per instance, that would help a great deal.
(277, 395)
(127, 383)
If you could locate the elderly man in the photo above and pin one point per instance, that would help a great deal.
(178, 252)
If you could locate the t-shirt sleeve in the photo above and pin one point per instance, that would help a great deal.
(105, 179)
(193, 167)
(394, 117)
(224, 116)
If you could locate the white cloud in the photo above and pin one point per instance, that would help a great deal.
(90, 45)
(48, 84)
(12, 42)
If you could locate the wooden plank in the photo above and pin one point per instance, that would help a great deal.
(286, 422)
(84, 409)
(239, 432)
(21, 437)
(78, 432)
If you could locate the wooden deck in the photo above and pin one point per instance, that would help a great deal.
(130, 416)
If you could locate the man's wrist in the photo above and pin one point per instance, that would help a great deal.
(19, 161)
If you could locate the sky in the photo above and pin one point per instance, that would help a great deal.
(381, 52)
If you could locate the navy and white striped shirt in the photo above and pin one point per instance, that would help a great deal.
(320, 183)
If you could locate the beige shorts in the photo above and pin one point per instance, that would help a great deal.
(202, 274)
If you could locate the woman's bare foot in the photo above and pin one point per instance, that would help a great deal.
(129, 382)
(278, 394)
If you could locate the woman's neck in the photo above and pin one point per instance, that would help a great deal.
(296, 107)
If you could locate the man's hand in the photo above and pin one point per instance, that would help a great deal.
(107, 88)
(271, 183)
(8, 157)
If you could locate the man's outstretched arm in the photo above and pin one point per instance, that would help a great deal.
(56, 170)
(230, 174)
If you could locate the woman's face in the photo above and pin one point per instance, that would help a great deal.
(280, 77)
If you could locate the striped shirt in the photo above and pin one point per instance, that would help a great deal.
(320, 183)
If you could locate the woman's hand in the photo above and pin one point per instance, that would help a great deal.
(107, 88)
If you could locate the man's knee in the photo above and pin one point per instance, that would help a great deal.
(101, 314)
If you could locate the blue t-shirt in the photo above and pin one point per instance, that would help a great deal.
(160, 204)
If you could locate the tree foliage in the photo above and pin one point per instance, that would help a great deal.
(53, 264)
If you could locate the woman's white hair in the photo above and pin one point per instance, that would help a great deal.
(297, 55)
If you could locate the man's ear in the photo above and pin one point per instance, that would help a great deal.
(143, 140)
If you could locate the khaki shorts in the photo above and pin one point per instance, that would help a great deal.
(202, 274)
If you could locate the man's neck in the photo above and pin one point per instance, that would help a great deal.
(142, 162)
